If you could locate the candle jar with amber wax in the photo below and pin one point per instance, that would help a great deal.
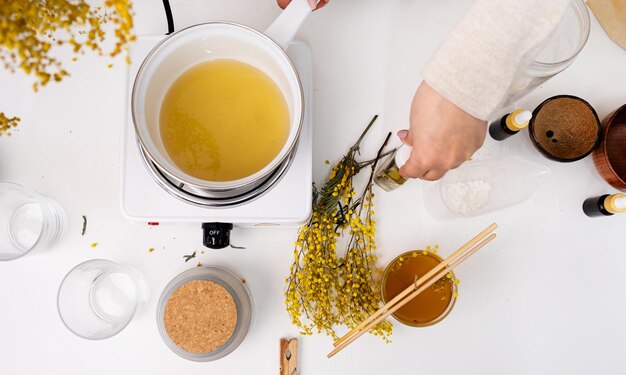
(432, 305)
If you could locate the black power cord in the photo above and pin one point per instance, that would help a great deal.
(168, 15)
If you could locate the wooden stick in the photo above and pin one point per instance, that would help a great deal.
(411, 288)
(423, 287)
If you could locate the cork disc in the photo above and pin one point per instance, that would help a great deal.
(200, 316)
(565, 128)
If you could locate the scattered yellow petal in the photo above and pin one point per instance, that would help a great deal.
(93, 245)
(151, 249)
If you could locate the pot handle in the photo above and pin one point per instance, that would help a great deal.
(284, 28)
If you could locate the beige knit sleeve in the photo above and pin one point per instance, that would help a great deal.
(475, 65)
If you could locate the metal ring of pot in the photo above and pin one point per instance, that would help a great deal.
(212, 198)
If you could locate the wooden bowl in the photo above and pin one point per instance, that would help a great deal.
(565, 128)
(610, 157)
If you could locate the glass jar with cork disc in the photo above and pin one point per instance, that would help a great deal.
(204, 313)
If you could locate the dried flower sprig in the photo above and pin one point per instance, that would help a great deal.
(330, 290)
(32, 30)
(7, 123)
(189, 257)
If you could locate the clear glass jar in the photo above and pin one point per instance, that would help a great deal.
(28, 221)
(98, 298)
(557, 53)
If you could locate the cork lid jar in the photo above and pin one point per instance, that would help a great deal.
(204, 313)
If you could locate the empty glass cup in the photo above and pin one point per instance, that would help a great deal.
(98, 298)
(557, 53)
(28, 221)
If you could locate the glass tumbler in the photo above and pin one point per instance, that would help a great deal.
(557, 53)
(28, 221)
(98, 298)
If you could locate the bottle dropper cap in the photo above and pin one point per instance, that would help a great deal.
(403, 153)
(620, 203)
(616, 203)
(518, 119)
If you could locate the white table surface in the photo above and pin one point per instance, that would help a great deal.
(546, 298)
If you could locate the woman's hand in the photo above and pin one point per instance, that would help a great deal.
(443, 136)
(284, 3)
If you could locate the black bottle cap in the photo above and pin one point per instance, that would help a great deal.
(216, 235)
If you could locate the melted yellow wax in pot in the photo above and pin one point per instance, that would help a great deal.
(223, 120)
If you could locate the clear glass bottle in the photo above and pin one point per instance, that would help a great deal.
(478, 187)
(388, 174)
